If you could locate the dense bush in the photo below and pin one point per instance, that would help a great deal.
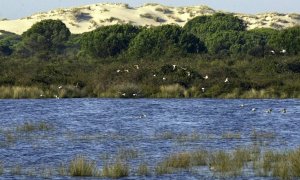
(164, 40)
(108, 40)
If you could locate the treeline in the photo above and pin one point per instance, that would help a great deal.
(163, 61)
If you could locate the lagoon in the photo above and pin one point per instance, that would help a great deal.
(149, 130)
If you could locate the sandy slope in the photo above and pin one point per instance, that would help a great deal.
(89, 17)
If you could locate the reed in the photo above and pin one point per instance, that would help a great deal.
(143, 170)
(17, 170)
(127, 153)
(34, 126)
(80, 166)
(1, 168)
(18, 92)
(231, 135)
(116, 170)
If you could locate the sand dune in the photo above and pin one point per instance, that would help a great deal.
(89, 17)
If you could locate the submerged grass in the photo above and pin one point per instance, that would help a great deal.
(34, 126)
(127, 153)
(1, 168)
(143, 170)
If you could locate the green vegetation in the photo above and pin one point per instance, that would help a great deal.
(127, 61)
(116, 170)
(34, 126)
(143, 170)
(80, 166)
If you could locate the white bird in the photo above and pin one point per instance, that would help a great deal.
(41, 95)
(203, 89)
(174, 67)
(164, 78)
(60, 87)
(253, 109)
(124, 94)
(136, 66)
(283, 51)
(126, 70)
(56, 96)
(283, 110)
(154, 75)
(118, 70)
(205, 77)
(134, 94)
(272, 51)
(242, 105)
(188, 73)
(226, 80)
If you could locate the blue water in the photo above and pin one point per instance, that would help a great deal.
(95, 127)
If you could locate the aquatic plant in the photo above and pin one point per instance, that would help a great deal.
(34, 126)
(127, 153)
(143, 170)
(116, 170)
(80, 166)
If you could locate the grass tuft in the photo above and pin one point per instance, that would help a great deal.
(80, 166)
(143, 170)
(116, 170)
(34, 126)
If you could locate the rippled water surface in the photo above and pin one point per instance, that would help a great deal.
(100, 127)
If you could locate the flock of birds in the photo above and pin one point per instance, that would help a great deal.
(136, 66)
(269, 110)
(282, 51)
(174, 67)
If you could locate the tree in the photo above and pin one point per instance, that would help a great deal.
(7, 43)
(47, 36)
(108, 40)
(164, 40)
(203, 25)
(289, 39)
(259, 42)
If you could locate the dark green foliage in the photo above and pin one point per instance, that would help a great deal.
(7, 43)
(164, 40)
(108, 40)
(45, 37)
(164, 61)
(202, 25)
(289, 39)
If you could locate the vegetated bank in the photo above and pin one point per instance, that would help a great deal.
(210, 57)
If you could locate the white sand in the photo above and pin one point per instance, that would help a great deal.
(89, 17)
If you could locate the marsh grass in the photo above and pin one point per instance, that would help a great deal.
(168, 91)
(199, 158)
(162, 169)
(62, 170)
(231, 135)
(1, 168)
(116, 170)
(80, 166)
(229, 164)
(34, 126)
(127, 153)
(180, 160)
(143, 170)
(18, 92)
(17, 170)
